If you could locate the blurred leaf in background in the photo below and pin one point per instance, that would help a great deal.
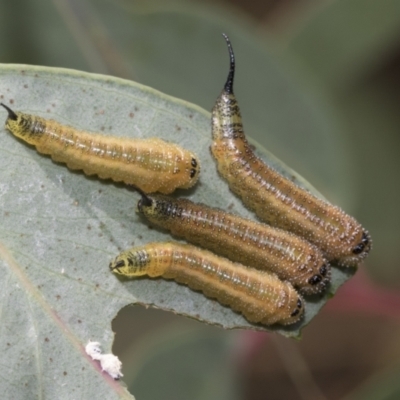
(320, 91)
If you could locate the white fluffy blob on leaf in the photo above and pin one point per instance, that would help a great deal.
(109, 362)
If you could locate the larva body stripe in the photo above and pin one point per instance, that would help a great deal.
(259, 296)
(151, 164)
(250, 243)
(274, 198)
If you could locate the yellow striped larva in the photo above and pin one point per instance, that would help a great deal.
(151, 164)
(259, 296)
(250, 243)
(274, 198)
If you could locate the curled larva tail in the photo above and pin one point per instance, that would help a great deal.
(151, 164)
(275, 199)
(241, 240)
(259, 296)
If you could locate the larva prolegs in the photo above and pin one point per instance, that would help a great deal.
(260, 297)
(151, 164)
(274, 198)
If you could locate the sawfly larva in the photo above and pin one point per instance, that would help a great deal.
(259, 296)
(250, 243)
(274, 198)
(151, 164)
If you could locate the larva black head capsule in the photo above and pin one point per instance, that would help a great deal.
(158, 209)
(25, 126)
(145, 201)
(14, 122)
(152, 207)
(131, 263)
(117, 266)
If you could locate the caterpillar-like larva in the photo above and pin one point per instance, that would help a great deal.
(151, 164)
(250, 243)
(259, 296)
(274, 198)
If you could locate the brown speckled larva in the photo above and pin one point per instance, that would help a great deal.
(151, 164)
(253, 244)
(259, 296)
(274, 198)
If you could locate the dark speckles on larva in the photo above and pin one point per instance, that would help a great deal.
(250, 243)
(151, 164)
(259, 296)
(274, 198)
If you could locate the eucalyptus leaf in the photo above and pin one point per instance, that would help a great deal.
(60, 229)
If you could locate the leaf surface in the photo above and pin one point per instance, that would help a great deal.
(60, 229)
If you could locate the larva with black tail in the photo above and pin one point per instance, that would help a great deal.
(250, 243)
(259, 296)
(151, 164)
(274, 198)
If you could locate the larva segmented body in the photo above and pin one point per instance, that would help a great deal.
(151, 164)
(274, 198)
(259, 296)
(241, 240)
